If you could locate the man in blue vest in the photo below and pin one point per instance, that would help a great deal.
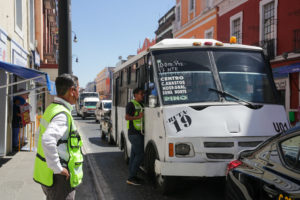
(134, 116)
(58, 163)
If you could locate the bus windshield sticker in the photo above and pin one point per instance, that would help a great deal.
(180, 120)
(173, 85)
(176, 98)
(170, 66)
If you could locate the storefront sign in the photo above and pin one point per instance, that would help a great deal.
(280, 84)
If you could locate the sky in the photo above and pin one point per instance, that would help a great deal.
(107, 29)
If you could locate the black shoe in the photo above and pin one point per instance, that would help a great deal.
(133, 181)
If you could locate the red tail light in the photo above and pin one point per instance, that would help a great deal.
(208, 43)
(232, 165)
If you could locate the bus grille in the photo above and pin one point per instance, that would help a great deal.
(219, 156)
(249, 144)
(218, 144)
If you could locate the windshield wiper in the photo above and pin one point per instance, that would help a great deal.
(223, 94)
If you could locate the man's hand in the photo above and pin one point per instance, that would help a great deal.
(141, 114)
(65, 172)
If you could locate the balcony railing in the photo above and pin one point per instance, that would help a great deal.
(297, 40)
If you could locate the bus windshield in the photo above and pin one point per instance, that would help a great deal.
(244, 74)
(185, 75)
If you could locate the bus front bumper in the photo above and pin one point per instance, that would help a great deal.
(208, 169)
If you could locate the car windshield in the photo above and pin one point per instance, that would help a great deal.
(90, 103)
(186, 75)
(107, 105)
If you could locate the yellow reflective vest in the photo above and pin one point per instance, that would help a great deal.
(42, 173)
(137, 123)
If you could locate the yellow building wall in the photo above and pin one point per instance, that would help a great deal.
(197, 26)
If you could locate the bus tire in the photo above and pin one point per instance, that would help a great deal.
(150, 161)
(163, 183)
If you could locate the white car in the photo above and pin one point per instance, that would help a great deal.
(103, 107)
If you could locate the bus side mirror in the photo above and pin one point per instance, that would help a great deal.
(152, 101)
(151, 86)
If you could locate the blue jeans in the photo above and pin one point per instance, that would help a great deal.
(15, 137)
(137, 153)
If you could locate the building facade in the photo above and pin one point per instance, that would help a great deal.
(165, 25)
(104, 83)
(17, 46)
(48, 43)
(90, 87)
(146, 44)
(195, 19)
(273, 25)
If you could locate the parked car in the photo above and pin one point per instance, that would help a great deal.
(102, 107)
(73, 112)
(270, 171)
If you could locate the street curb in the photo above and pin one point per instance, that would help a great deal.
(100, 194)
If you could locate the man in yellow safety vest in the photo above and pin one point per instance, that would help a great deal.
(58, 163)
(134, 117)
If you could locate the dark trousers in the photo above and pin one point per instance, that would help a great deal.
(137, 153)
(61, 189)
(16, 137)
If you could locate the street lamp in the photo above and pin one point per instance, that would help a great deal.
(75, 37)
(76, 58)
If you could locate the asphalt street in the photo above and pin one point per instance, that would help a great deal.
(106, 176)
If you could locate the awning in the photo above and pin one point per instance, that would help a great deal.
(285, 70)
(28, 74)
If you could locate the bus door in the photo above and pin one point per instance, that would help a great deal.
(116, 101)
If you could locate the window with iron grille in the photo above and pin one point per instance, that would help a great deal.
(236, 26)
(268, 21)
(236, 31)
(297, 40)
(192, 5)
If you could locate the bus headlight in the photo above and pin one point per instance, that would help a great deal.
(182, 149)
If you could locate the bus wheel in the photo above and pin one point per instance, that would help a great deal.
(163, 183)
(126, 157)
(150, 162)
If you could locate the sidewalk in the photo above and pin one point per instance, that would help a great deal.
(16, 176)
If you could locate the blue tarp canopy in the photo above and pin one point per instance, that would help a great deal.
(285, 70)
(28, 74)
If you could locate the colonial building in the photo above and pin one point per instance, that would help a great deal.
(273, 25)
(48, 41)
(165, 25)
(195, 19)
(146, 44)
(104, 83)
(18, 47)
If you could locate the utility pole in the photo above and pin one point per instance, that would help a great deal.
(65, 42)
